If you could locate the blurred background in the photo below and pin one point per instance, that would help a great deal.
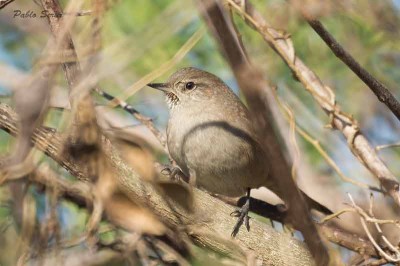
(140, 37)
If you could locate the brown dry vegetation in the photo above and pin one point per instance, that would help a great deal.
(81, 186)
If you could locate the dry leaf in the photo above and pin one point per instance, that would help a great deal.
(126, 214)
(121, 210)
(133, 150)
(106, 185)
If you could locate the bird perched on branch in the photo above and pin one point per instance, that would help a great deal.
(211, 137)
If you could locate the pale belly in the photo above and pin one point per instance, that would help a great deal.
(222, 158)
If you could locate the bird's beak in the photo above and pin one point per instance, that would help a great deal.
(165, 87)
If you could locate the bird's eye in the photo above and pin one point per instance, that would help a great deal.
(189, 86)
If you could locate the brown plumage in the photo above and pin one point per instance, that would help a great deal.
(211, 136)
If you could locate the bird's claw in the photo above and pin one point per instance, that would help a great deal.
(243, 216)
(174, 174)
(247, 222)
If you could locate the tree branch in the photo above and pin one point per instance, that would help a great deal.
(208, 227)
(41, 137)
(324, 96)
(253, 84)
(4, 3)
(334, 234)
(380, 90)
(73, 72)
(135, 188)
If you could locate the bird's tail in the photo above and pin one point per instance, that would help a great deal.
(261, 207)
(314, 205)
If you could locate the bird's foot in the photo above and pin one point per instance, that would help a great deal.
(243, 216)
(175, 174)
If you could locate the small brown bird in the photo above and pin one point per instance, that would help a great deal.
(211, 137)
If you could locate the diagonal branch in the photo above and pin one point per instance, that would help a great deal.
(253, 84)
(147, 121)
(205, 227)
(4, 3)
(380, 90)
(334, 234)
(324, 96)
(135, 188)
(73, 71)
(41, 137)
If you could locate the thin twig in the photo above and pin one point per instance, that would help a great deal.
(285, 108)
(385, 146)
(349, 240)
(163, 68)
(371, 238)
(78, 13)
(147, 121)
(370, 219)
(325, 97)
(292, 136)
(334, 215)
(72, 75)
(80, 193)
(253, 84)
(376, 262)
(73, 72)
(378, 228)
(380, 90)
(334, 234)
(4, 3)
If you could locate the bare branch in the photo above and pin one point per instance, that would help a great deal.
(60, 32)
(380, 90)
(379, 229)
(325, 97)
(385, 146)
(73, 72)
(206, 228)
(4, 3)
(349, 240)
(321, 150)
(334, 234)
(147, 121)
(79, 192)
(371, 238)
(252, 84)
(8, 122)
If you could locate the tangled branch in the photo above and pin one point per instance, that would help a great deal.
(324, 96)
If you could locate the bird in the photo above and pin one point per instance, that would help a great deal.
(211, 137)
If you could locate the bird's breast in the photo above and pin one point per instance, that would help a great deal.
(222, 153)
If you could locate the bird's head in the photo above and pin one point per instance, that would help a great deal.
(190, 85)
